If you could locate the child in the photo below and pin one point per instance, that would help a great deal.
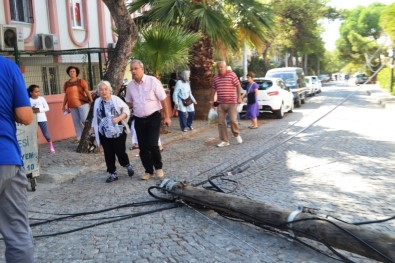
(40, 106)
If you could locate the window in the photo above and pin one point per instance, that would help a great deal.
(50, 81)
(21, 10)
(76, 13)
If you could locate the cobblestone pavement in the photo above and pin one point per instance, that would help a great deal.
(341, 165)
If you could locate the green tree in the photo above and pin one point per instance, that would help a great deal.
(387, 22)
(218, 22)
(359, 34)
(297, 30)
(164, 48)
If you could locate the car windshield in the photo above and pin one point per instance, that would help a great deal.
(263, 84)
(286, 76)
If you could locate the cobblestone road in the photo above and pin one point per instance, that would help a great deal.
(343, 165)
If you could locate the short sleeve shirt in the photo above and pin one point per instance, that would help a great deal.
(226, 87)
(75, 92)
(13, 94)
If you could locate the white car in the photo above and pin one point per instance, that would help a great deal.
(313, 83)
(273, 96)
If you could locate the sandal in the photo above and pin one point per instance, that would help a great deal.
(253, 127)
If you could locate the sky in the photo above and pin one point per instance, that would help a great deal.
(331, 33)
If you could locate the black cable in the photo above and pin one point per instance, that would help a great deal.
(270, 227)
(342, 229)
(106, 222)
(161, 189)
(105, 210)
(374, 221)
(92, 212)
(78, 220)
(295, 238)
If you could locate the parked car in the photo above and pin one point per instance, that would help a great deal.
(293, 78)
(324, 78)
(313, 84)
(360, 78)
(273, 96)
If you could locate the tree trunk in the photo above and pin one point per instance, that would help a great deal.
(264, 56)
(118, 59)
(127, 37)
(201, 65)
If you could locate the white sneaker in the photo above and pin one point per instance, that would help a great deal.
(222, 144)
(239, 139)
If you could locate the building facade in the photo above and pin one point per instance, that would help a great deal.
(45, 37)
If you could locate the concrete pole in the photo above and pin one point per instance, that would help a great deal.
(302, 224)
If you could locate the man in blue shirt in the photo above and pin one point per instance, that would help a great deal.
(14, 107)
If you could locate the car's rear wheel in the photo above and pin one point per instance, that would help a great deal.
(303, 100)
(297, 102)
(279, 113)
(291, 109)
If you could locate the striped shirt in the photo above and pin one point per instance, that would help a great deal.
(226, 87)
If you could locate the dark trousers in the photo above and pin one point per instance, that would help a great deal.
(147, 130)
(114, 147)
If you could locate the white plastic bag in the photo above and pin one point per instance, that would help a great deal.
(240, 107)
(212, 116)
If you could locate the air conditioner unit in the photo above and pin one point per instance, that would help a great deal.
(11, 35)
(48, 42)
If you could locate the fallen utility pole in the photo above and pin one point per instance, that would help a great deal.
(335, 233)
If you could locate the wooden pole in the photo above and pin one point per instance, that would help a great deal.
(305, 224)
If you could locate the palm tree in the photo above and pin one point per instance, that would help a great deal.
(164, 48)
(218, 22)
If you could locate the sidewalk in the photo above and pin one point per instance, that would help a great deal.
(66, 164)
(381, 96)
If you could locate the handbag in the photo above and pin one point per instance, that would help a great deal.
(251, 98)
(188, 101)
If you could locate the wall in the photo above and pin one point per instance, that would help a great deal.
(60, 127)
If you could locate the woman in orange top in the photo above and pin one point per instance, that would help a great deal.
(77, 98)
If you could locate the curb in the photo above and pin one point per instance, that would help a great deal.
(62, 173)
(382, 97)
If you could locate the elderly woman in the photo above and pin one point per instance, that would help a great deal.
(110, 117)
(182, 92)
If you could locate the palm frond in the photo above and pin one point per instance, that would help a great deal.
(164, 48)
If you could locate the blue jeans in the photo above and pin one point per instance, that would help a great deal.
(44, 129)
(79, 115)
(184, 120)
(14, 221)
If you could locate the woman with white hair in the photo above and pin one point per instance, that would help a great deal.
(181, 93)
(110, 118)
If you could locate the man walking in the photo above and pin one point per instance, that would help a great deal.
(227, 87)
(146, 95)
(14, 107)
